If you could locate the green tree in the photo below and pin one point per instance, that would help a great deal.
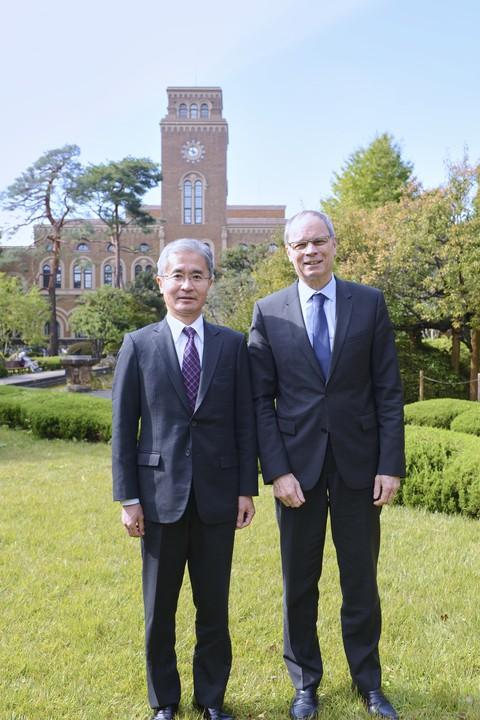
(149, 303)
(22, 314)
(44, 193)
(104, 316)
(113, 192)
(371, 177)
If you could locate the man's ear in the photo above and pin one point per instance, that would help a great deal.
(158, 280)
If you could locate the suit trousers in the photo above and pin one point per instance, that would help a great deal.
(207, 551)
(355, 524)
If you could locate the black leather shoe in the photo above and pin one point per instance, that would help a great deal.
(167, 712)
(304, 705)
(210, 713)
(378, 705)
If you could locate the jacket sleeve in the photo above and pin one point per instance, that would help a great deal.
(125, 421)
(387, 389)
(273, 455)
(245, 426)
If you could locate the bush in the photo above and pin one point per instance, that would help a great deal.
(49, 362)
(468, 421)
(53, 414)
(442, 471)
(437, 413)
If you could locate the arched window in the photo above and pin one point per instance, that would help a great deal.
(107, 275)
(110, 248)
(46, 270)
(46, 329)
(183, 111)
(204, 111)
(77, 277)
(87, 277)
(83, 247)
(144, 247)
(138, 269)
(58, 279)
(198, 202)
(187, 202)
(194, 111)
(149, 268)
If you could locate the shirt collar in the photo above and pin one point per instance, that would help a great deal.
(176, 326)
(305, 292)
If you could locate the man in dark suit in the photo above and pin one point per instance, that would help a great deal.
(184, 469)
(329, 412)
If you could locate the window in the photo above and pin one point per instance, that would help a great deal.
(110, 248)
(204, 111)
(144, 247)
(187, 202)
(83, 247)
(107, 275)
(193, 201)
(149, 268)
(46, 270)
(138, 270)
(49, 247)
(183, 111)
(198, 202)
(46, 329)
(194, 111)
(77, 277)
(58, 279)
(87, 277)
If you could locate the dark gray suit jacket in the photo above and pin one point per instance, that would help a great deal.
(359, 407)
(159, 448)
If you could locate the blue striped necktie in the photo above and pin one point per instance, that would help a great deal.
(191, 367)
(320, 336)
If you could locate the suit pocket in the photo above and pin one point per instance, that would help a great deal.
(286, 426)
(227, 461)
(368, 421)
(150, 459)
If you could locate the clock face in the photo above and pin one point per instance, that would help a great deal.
(193, 151)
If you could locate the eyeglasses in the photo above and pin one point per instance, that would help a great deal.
(302, 245)
(179, 278)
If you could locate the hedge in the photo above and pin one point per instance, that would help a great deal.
(54, 414)
(442, 471)
(448, 413)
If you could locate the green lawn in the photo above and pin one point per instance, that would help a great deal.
(71, 612)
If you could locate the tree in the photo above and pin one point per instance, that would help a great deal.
(44, 194)
(104, 316)
(370, 178)
(113, 192)
(149, 303)
(22, 314)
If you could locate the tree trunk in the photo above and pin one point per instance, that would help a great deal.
(455, 356)
(475, 336)
(52, 296)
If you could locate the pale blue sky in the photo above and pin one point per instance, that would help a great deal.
(305, 83)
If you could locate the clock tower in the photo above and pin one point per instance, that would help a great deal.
(194, 166)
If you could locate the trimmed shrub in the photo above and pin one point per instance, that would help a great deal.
(53, 414)
(48, 362)
(468, 421)
(442, 471)
(436, 413)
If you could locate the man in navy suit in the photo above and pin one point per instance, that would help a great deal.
(185, 470)
(329, 409)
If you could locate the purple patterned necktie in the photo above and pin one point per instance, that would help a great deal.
(191, 367)
(320, 336)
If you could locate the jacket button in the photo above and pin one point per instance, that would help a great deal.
(187, 452)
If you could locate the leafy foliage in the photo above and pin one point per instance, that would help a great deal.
(22, 314)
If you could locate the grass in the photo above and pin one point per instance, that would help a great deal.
(71, 609)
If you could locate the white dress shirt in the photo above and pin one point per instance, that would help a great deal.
(180, 342)
(306, 293)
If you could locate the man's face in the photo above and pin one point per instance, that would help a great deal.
(186, 286)
(313, 263)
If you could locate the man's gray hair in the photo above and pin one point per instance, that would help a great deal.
(185, 245)
(308, 213)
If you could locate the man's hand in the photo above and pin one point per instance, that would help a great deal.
(246, 511)
(286, 488)
(132, 519)
(385, 489)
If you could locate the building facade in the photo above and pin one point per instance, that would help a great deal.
(194, 143)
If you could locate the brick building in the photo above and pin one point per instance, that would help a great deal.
(194, 141)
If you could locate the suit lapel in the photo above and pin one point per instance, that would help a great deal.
(166, 348)
(294, 316)
(212, 344)
(344, 313)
